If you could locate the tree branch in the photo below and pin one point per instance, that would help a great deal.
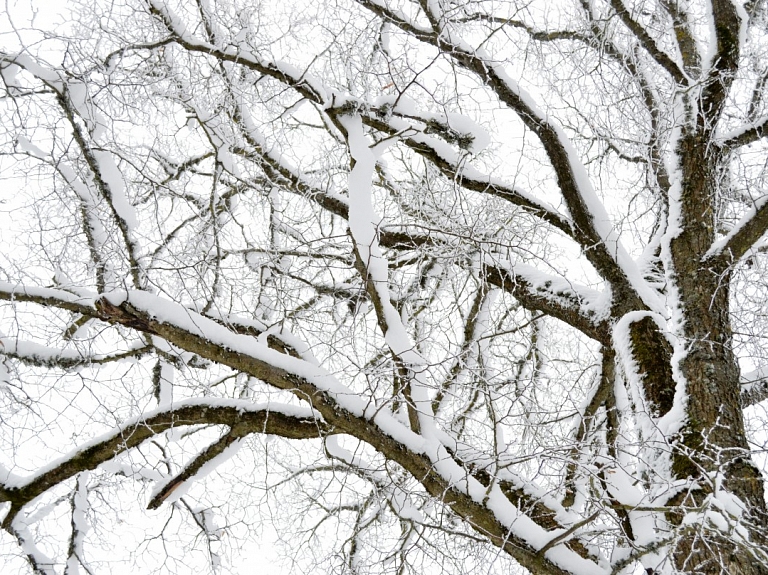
(243, 416)
(649, 44)
(745, 234)
(746, 135)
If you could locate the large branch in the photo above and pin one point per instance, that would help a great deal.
(487, 509)
(238, 415)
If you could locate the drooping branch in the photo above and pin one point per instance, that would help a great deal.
(246, 418)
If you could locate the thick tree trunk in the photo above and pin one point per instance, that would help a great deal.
(713, 452)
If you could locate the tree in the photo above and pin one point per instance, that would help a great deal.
(468, 284)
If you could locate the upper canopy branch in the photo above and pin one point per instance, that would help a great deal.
(649, 44)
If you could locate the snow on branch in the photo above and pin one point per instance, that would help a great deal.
(50, 297)
(744, 235)
(39, 355)
(240, 415)
(592, 227)
(746, 134)
(372, 264)
(578, 306)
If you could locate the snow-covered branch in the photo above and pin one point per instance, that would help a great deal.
(242, 417)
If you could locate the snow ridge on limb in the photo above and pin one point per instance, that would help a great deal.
(84, 305)
(372, 265)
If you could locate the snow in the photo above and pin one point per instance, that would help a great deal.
(165, 396)
(26, 539)
(9, 72)
(37, 352)
(592, 303)
(112, 177)
(8, 478)
(465, 125)
(363, 222)
(80, 524)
